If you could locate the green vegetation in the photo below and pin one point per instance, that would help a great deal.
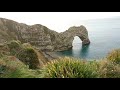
(19, 60)
(109, 69)
(70, 68)
(15, 47)
(25, 53)
(75, 68)
(29, 57)
(114, 56)
(11, 67)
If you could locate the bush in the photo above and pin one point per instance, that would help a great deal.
(27, 54)
(29, 57)
(70, 68)
(109, 69)
(27, 45)
(11, 67)
(15, 47)
(114, 56)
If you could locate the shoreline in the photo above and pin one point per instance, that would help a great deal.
(50, 55)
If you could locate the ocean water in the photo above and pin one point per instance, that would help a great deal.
(104, 35)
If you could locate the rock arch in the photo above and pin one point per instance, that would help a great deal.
(84, 40)
(82, 33)
(66, 38)
(40, 36)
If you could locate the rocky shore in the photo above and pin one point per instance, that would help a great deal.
(51, 55)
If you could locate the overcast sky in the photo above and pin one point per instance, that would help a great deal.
(58, 21)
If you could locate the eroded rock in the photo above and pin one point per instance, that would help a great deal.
(40, 36)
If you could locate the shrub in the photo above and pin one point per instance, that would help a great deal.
(26, 45)
(15, 47)
(11, 67)
(29, 57)
(27, 54)
(109, 69)
(70, 68)
(4, 50)
(114, 56)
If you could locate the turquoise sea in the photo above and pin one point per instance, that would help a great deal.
(104, 35)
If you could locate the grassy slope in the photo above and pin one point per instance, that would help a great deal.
(12, 67)
(12, 55)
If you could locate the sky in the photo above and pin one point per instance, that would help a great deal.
(58, 21)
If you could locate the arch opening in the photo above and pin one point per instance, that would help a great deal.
(77, 42)
(79, 49)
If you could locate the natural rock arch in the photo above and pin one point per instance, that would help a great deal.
(40, 36)
(76, 39)
(69, 35)
(81, 32)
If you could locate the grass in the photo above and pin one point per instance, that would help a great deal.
(14, 46)
(29, 57)
(25, 53)
(12, 66)
(67, 67)
(109, 69)
(70, 68)
(114, 56)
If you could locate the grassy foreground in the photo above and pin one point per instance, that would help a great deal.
(109, 67)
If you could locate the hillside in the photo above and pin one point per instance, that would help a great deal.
(24, 53)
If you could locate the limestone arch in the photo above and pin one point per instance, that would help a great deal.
(76, 38)
(84, 40)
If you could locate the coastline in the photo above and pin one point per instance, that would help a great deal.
(50, 55)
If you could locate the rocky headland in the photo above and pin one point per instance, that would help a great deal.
(35, 45)
(40, 36)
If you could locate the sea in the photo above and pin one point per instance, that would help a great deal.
(104, 35)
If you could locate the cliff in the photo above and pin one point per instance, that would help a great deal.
(40, 36)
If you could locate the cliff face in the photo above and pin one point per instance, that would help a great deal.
(40, 36)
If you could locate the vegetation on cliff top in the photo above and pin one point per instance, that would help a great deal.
(11, 67)
(67, 67)
(70, 68)
(19, 60)
(25, 53)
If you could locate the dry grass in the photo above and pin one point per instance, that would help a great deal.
(11, 67)
(109, 69)
(114, 56)
(70, 68)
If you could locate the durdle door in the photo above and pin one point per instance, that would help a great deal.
(40, 36)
